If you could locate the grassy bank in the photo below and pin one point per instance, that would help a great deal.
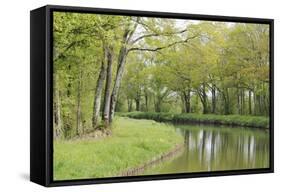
(233, 120)
(133, 143)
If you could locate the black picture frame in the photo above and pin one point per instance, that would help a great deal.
(41, 87)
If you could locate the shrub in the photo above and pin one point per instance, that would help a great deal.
(232, 120)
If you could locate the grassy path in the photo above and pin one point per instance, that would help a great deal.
(133, 143)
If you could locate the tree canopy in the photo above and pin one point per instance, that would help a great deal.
(105, 64)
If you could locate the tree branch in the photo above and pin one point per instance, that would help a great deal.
(147, 27)
(157, 34)
(163, 47)
(61, 55)
(133, 30)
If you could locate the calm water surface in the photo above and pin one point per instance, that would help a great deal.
(217, 148)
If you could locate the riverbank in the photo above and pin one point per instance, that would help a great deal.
(188, 118)
(154, 162)
(133, 144)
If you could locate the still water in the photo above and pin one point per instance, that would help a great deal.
(217, 148)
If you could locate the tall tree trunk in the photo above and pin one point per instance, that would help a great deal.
(157, 102)
(250, 102)
(183, 109)
(239, 101)
(158, 98)
(203, 98)
(205, 101)
(255, 103)
(67, 116)
(98, 91)
(146, 100)
(138, 100)
(128, 33)
(213, 98)
(106, 109)
(59, 122)
(243, 101)
(186, 97)
(226, 101)
(78, 111)
(158, 106)
(120, 71)
(129, 104)
(68, 91)
(57, 110)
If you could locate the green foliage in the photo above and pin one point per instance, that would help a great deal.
(169, 70)
(177, 67)
(132, 144)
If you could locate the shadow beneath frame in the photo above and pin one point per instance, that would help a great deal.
(24, 176)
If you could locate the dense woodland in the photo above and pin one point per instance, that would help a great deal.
(106, 64)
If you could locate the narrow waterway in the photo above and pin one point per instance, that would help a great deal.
(210, 148)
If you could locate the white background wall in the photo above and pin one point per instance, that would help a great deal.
(14, 94)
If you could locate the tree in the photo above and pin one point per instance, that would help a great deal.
(104, 64)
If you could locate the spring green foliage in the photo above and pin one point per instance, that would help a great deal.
(168, 70)
(236, 120)
(155, 65)
(133, 143)
(224, 70)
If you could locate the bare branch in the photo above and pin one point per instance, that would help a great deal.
(157, 34)
(163, 47)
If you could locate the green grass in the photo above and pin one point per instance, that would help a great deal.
(133, 143)
(237, 120)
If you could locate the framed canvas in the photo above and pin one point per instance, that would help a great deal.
(125, 95)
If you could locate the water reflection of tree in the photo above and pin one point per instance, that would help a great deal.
(220, 150)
